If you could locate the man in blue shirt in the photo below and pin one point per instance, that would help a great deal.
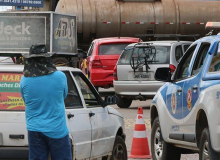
(43, 90)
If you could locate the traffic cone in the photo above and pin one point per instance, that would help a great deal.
(140, 148)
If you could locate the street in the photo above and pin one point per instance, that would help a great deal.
(130, 114)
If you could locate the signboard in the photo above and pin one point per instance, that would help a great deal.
(20, 30)
(64, 36)
(10, 96)
(29, 3)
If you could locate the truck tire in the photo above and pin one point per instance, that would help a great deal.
(123, 102)
(61, 61)
(119, 151)
(164, 150)
(205, 149)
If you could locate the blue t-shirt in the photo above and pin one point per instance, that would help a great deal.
(44, 99)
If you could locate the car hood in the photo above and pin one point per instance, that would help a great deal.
(113, 111)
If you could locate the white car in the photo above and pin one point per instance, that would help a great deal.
(135, 69)
(96, 129)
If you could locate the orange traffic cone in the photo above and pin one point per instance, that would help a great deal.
(140, 148)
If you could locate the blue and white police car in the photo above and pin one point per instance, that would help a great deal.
(185, 112)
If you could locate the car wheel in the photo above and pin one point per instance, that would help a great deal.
(123, 102)
(119, 151)
(160, 149)
(60, 61)
(206, 151)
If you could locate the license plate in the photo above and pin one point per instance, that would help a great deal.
(142, 76)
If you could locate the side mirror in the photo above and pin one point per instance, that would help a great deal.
(163, 74)
(111, 100)
(82, 54)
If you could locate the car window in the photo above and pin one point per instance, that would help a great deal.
(182, 69)
(73, 99)
(88, 92)
(178, 52)
(199, 61)
(159, 55)
(185, 47)
(10, 96)
(112, 49)
(90, 49)
(215, 63)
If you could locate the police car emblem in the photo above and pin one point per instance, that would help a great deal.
(189, 99)
(173, 101)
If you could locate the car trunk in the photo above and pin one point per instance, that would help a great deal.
(109, 62)
(128, 74)
(141, 63)
(12, 115)
(109, 54)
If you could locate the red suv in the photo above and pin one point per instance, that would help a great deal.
(102, 57)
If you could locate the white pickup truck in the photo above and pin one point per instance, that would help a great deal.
(96, 129)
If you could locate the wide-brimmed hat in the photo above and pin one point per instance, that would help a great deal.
(37, 50)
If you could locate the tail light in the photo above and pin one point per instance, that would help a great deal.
(172, 68)
(115, 73)
(96, 64)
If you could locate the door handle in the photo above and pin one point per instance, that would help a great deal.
(91, 114)
(179, 90)
(70, 116)
(16, 136)
(195, 88)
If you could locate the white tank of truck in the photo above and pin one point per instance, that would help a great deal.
(108, 18)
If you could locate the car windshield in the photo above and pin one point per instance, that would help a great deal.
(112, 49)
(153, 54)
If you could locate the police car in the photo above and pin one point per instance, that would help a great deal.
(185, 112)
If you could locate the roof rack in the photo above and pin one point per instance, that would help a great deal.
(177, 36)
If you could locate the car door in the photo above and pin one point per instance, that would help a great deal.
(13, 130)
(175, 94)
(102, 132)
(191, 91)
(78, 121)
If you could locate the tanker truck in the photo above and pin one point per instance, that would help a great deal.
(110, 18)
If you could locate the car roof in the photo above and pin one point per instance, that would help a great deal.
(164, 43)
(212, 38)
(117, 39)
(19, 68)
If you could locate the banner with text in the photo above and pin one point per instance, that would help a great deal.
(29, 3)
(10, 97)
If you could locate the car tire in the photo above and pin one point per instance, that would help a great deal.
(119, 151)
(61, 61)
(164, 150)
(123, 102)
(205, 149)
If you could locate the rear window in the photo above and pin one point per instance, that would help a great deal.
(112, 49)
(10, 97)
(161, 56)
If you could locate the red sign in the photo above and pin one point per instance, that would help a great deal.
(10, 96)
